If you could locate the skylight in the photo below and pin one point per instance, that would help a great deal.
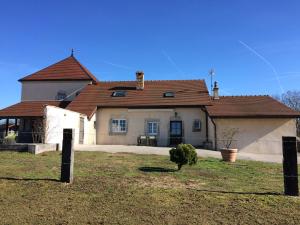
(169, 94)
(119, 94)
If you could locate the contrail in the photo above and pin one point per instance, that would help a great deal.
(265, 61)
(281, 76)
(117, 65)
(172, 62)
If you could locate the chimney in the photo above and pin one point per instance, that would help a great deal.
(139, 80)
(216, 91)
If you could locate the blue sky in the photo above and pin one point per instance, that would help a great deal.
(253, 45)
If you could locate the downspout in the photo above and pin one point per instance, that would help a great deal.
(206, 123)
(215, 131)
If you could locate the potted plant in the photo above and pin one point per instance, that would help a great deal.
(229, 154)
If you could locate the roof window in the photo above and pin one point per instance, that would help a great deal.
(119, 94)
(169, 94)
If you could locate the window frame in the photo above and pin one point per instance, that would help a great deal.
(61, 95)
(120, 128)
(197, 129)
(152, 128)
(169, 94)
(118, 94)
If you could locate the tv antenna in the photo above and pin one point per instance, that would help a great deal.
(211, 73)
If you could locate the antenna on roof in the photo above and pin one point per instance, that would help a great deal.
(72, 52)
(211, 73)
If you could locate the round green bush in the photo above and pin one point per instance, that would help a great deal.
(183, 154)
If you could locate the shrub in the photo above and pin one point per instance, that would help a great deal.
(183, 154)
(10, 139)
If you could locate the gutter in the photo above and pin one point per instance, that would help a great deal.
(215, 131)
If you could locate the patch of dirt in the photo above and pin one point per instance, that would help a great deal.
(167, 182)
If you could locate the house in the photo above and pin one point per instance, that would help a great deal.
(67, 95)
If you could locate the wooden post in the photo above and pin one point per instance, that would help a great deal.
(290, 167)
(67, 159)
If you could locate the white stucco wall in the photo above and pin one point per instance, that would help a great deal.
(47, 90)
(59, 119)
(90, 130)
(260, 135)
(136, 119)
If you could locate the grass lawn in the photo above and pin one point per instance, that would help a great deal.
(128, 189)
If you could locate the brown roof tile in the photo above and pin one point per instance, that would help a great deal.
(249, 106)
(188, 93)
(30, 108)
(66, 69)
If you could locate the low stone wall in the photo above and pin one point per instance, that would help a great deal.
(31, 148)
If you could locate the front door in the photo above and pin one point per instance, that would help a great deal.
(81, 131)
(175, 132)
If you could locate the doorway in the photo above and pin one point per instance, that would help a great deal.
(175, 132)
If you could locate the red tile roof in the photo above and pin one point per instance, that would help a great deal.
(249, 106)
(66, 69)
(188, 93)
(30, 108)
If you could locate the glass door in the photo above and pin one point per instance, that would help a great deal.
(175, 132)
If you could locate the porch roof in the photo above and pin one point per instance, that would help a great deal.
(30, 108)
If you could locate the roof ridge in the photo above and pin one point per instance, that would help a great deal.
(237, 96)
(85, 69)
(111, 81)
(86, 74)
(21, 79)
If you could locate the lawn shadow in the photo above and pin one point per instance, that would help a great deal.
(29, 179)
(240, 193)
(156, 169)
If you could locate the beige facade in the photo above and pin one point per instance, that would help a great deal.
(137, 125)
(48, 90)
(257, 135)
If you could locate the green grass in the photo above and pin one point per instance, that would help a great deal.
(111, 189)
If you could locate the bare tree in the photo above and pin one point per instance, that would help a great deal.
(38, 131)
(228, 136)
(292, 100)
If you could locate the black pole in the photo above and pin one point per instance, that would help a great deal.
(6, 127)
(290, 166)
(67, 159)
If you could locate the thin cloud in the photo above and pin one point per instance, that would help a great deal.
(269, 64)
(117, 65)
(172, 62)
(283, 77)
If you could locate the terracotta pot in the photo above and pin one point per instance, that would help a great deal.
(229, 155)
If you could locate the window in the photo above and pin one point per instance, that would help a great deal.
(169, 94)
(152, 127)
(61, 95)
(118, 94)
(197, 125)
(118, 126)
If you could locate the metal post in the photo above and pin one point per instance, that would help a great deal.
(290, 167)
(6, 127)
(67, 159)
